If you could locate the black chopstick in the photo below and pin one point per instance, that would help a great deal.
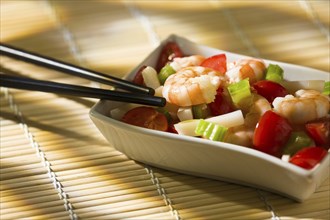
(54, 64)
(81, 91)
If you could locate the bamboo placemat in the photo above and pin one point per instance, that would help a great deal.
(56, 165)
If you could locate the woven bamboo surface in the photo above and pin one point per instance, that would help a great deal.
(54, 162)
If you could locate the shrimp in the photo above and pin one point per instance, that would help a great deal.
(308, 105)
(192, 86)
(179, 63)
(253, 69)
(256, 110)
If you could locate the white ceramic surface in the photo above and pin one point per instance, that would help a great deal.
(207, 158)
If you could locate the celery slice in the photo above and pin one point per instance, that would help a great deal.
(274, 73)
(239, 91)
(326, 90)
(200, 111)
(201, 127)
(218, 133)
(297, 141)
(165, 72)
(210, 130)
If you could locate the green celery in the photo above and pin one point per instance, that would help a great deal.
(202, 125)
(218, 133)
(165, 72)
(297, 141)
(200, 111)
(326, 90)
(239, 91)
(210, 130)
(274, 73)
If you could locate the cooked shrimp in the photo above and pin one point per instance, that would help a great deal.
(179, 63)
(192, 86)
(307, 105)
(259, 106)
(247, 68)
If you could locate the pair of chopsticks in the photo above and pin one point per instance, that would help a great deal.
(135, 93)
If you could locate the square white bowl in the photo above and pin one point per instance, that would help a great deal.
(206, 158)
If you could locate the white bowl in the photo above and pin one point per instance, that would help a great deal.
(206, 158)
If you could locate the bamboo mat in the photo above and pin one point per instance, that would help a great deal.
(54, 162)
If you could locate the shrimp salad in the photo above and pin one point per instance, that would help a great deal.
(246, 102)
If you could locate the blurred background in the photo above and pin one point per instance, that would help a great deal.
(56, 165)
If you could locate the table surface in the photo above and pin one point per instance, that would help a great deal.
(54, 162)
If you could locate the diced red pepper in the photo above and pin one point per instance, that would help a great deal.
(220, 105)
(319, 131)
(271, 133)
(217, 62)
(270, 89)
(308, 157)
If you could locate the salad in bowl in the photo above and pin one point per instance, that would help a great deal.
(231, 117)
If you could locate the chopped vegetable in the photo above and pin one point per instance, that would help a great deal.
(202, 126)
(326, 90)
(165, 72)
(169, 51)
(269, 89)
(185, 113)
(320, 132)
(210, 130)
(200, 111)
(187, 127)
(274, 73)
(150, 77)
(239, 91)
(217, 62)
(220, 105)
(271, 133)
(308, 157)
(297, 141)
(228, 120)
(159, 91)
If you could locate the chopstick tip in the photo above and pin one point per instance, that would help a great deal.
(163, 102)
(151, 91)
